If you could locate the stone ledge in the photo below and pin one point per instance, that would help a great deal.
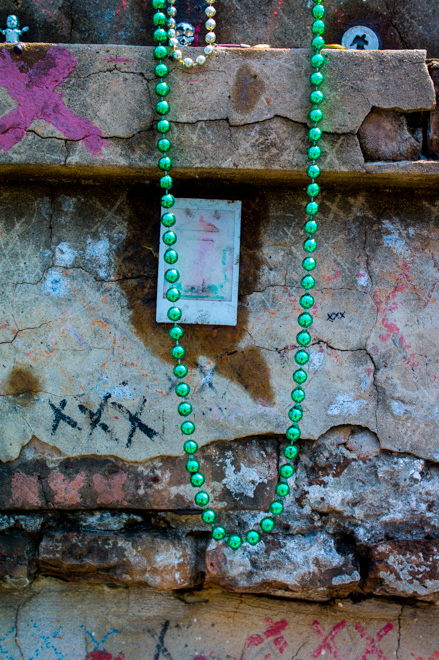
(89, 110)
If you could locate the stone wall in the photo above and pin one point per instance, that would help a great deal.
(102, 552)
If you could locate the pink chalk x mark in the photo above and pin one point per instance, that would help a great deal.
(33, 89)
(118, 60)
(372, 646)
(25, 490)
(328, 643)
(103, 655)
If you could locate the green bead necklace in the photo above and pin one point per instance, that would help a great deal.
(172, 276)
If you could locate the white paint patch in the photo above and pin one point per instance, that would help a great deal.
(345, 404)
(243, 482)
(346, 579)
(398, 408)
(121, 392)
(64, 255)
(99, 254)
(393, 237)
(362, 278)
(316, 360)
(55, 284)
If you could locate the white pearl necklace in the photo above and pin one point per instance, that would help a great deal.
(210, 38)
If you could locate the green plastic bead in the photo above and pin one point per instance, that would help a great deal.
(168, 201)
(282, 490)
(298, 395)
(301, 357)
(318, 11)
(163, 126)
(317, 78)
(303, 338)
(313, 171)
(180, 370)
(161, 70)
(159, 4)
(313, 190)
(182, 389)
(318, 27)
(170, 256)
(295, 413)
(174, 313)
(307, 301)
(234, 542)
(166, 182)
(172, 275)
(176, 332)
(218, 533)
(309, 263)
(209, 516)
(159, 19)
(164, 145)
(187, 428)
(317, 61)
(165, 163)
(286, 471)
(316, 115)
(291, 452)
(311, 226)
(314, 153)
(300, 376)
(316, 97)
(197, 480)
(312, 208)
(162, 107)
(161, 36)
(310, 245)
(163, 89)
(202, 498)
(315, 134)
(305, 320)
(317, 43)
(253, 537)
(178, 352)
(308, 282)
(173, 294)
(184, 408)
(267, 524)
(190, 447)
(169, 238)
(276, 507)
(160, 52)
(293, 433)
(192, 466)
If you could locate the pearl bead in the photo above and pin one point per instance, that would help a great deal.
(253, 537)
(316, 78)
(174, 313)
(177, 55)
(313, 190)
(317, 61)
(306, 300)
(314, 152)
(169, 238)
(163, 126)
(310, 245)
(161, 70)
(293, 433)
(162, 107)
(190, 447)
(308, 282)
(295, 413)
(209, 516)
(168, 201)
(310, 226)
(202, 498)
(210, 12)
(218, 533)
(170, 256)
(282, 490)
(168, 220)
(188, 62)
(276, 507)
(172, 275)
(180, 370)
(210, 37)
(178, 352)
(312, 208)
(171, 35)
(188, 428)
(182, 389)
(174, 42)
(234, 542)
(300, 376)
(184, 408)
(160, 35)
(192, 465)
(318, 27)
(318, 11)
(176, 332)
(208, 49)
(303, 338)
(201, 59)
(286, 471)
(172, 11)
(171, 23)
(166, 182)
(298, 395)
(305, 320)
(197, 480)
(173, 294)
(291, 452)
(267, 524)
(160, 52)
(210, 25)
(159, 19)
(309, 263)
(210, 2)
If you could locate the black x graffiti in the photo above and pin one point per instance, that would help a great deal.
(59, 416)
(336, 315)
(95, 417)
(135, 421)
(160, 650)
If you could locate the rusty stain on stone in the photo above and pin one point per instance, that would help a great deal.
(247, 89)
(22, 382)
